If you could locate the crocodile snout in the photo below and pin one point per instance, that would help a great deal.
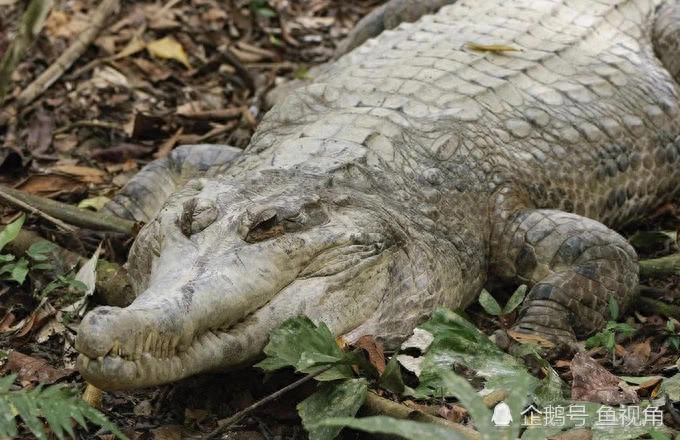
(96, 336)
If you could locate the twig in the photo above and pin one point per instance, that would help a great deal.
(33, 210)
(31, 23)
(656, 307)
(660, 267)
(112, 286)
(94, 123)
(75, 216)
(104, 11)
(376, 405)
(227, 423)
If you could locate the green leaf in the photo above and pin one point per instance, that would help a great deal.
(299, 343)
(391, 379)
(38, 250)
(11, 231)
(266, 12)
(4, 258)
(332, 400)
(613, 308)
(20, 271)
(516, 299)
(457, 341)
(42, 266)
(489, 303)
(401, 428)
(57, 404)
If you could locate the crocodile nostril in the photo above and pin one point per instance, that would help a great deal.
(95, 336)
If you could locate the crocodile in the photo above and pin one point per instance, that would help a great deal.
(485, 142)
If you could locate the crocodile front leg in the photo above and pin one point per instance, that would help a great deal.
(666, 36)
(573, 265)
(143, 196)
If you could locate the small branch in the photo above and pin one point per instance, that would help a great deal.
(104, 11)
(30, 27)
(228, 423)
(660, 267)
(66, 213)
(95, 124)
(33, 210)
(651, 306)
(376, 405)
(111, 287)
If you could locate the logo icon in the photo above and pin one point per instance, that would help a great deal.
(501, 415)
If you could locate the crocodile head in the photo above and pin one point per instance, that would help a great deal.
(224, 263)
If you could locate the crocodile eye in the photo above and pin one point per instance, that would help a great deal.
(265, 225)
(197, 214)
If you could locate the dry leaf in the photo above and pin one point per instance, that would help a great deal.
(93, 396)
(376, 354)
(95, 203)
(31, 369)
(525, 338)
(592, 382)
(75, 170)
(168, 48)
(166, 147)
(50, 185)
(492, 47)
(135, 45)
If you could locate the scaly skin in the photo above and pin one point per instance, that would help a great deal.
(405, 176)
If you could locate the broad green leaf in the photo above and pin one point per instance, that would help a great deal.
(299, 343)
(38, 250)
(339, 399)
(20, 271)
(489, 303)
(4, 258)
(613, 308)
(457, 341)
(403, 428)
(11, 231)
(391, 379)
(516, 299)
(29, 412)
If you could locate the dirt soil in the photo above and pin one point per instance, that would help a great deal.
(163, 74)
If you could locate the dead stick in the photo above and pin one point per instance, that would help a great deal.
(660, 267)
(241, 414)
(33, 210)
(105, 10)
(376, 405)
(70, 214)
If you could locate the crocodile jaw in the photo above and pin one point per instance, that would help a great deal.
(197, 317)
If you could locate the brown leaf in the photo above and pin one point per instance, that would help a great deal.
(120, 153)
(376, 354)
(594, 383)
(650, 388)
(50, 184)
(76, 170)
(31, 369)
(166, 147)
(153, 71)
(168, 432)
(40, 132)
(455, 414)
(526, 338)
(6, 322)
(574, 434)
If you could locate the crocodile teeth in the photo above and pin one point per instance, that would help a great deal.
(115, 350)
(147, 344)
(86, 361)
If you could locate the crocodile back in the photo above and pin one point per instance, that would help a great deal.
(582, 116)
